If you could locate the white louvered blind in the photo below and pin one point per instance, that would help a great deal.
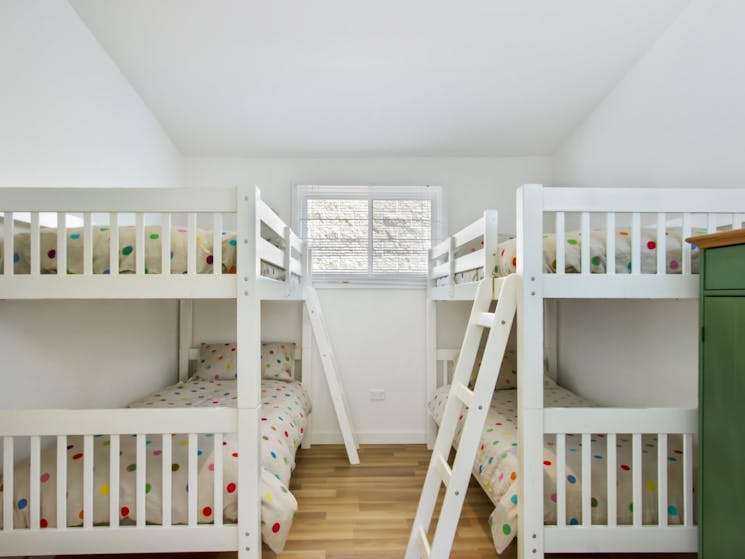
(361, 234)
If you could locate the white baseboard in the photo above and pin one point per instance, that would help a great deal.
(394, 437)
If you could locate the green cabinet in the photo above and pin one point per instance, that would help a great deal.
(721, 481)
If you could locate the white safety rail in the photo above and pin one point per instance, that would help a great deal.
(458, 253)
(58, 426)
(656, 223)
(81, 266)
(612, 424)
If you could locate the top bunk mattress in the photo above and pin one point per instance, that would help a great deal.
(128, 252)
(506, 253)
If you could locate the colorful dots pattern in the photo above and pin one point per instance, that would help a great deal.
(497, 461)
(285, 408)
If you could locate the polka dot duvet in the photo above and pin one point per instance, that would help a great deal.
(496, 467)
(127, 252)
(285, 407)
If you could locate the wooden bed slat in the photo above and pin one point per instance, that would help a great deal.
(35, 489)
(8, 464)
(114, 511)
(141, 471)
(167, 478)
(61, 244)
(586, 479)
(35, 250)
(193, 491)
(612, 466)
(9, 260)
(165, 244)
(662, 479)
(218, 481)
(114, 244)
(561, 480)
(88, 481)
(610, 243)
(217, 243)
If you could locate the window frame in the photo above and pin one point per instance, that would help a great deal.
(304, 192)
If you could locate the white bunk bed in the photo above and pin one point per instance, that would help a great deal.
(614, 265)
(104, 259)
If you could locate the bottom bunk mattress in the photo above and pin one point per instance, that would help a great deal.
(285, 407)
(496, 467)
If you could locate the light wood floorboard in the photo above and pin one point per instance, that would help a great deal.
(366, 511)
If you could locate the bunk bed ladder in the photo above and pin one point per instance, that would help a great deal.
(476, 402)
(336, 388)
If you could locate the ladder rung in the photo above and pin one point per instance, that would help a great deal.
(443, 469)
(424, 548)
(485, 319)
(464, 394)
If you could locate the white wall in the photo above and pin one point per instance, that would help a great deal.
(68, 117)
(378, 334)
(676, 120)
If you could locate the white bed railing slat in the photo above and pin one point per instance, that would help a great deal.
(685, 233)
(193, 492)
(167, 475)
(8, 252)
(61, 482)
(711, 223)
(586, 479)
(585, 242)
(191, 257)
(287, 259)
(8, 463)
(662, 479)
(451, 266)
(88, 481)
(35, 254)
(87, 244)
(560, 246)
(218, 481)
(610, 243)
(140, 243)
(140, 488)
(114, 244)
(661, 245)
(636, 241)
(114, 511)
(61, 243)
(636, 475)
(612, 478)
(561, 480)
(35, 489)
(688, 497)
(165, 244)
(217, 243)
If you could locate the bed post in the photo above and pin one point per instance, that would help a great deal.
(185, 336)
(307, 341)
(530, 365)
(248, 337)
(430, 358)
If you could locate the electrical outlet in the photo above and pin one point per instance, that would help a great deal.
(377, 394)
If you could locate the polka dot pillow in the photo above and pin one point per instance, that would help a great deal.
(217, 362)
(278, 361)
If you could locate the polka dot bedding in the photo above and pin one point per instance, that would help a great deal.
(496, 467)
(285, 407)
(507, 254)
(127, 252)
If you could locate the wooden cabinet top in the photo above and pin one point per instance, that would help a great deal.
(720, 239)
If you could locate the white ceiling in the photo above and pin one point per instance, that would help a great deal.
(374, 78)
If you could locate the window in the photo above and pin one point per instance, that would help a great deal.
(368, 234)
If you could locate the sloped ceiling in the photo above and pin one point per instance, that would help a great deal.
(374, 78)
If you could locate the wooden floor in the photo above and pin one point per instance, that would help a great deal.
(366, 511)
